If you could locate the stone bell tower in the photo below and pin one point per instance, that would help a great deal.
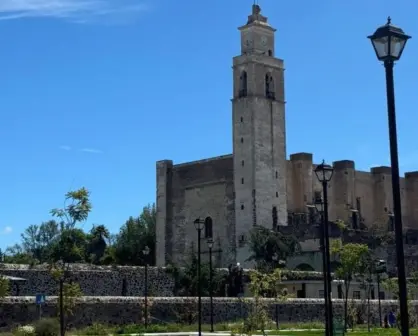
(259, 137)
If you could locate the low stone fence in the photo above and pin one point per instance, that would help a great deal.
(126, 310)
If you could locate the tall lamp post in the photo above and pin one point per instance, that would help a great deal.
(277, 264)
(318, 207)
(389, 42)
(199, 225)
(210, 246)
(380, 268)
(324, 174)
(146, 253)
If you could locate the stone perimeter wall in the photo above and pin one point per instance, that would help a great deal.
(93, 280)
(126, 310)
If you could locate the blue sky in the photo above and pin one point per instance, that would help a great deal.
(93, 92)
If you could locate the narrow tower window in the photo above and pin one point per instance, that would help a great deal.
(274, 215)
(242, 140)
(270, 91)
(243, 85)
(242, 163)
(242, 181)
(208, 227)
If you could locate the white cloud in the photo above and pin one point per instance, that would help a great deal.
(92, 150)
(67, 148)
(81, 11)
(7, 230)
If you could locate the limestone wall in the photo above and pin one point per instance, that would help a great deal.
(190, 190)
(126, 310)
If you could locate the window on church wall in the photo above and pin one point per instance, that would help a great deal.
(275, 219)
(391, 224)
(312, 215)
(269, 83)
(208, 227)
(243, 85)
(354, 220)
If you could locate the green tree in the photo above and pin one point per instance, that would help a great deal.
(16, 255)
(391, 285)
(134, 235)
(266, 244)
(71, 245)
(37, 239)
(97, 244)
(352, 258)
(186, 280)
(262, 285)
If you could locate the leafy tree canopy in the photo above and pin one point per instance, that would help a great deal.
(268, 246)
(60, 240)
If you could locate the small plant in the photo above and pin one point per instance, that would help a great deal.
(96, 329)
(47, 327)
(27, 330)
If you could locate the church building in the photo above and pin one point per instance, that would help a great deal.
(257, 185)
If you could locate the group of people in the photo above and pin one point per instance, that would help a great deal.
(389, 320)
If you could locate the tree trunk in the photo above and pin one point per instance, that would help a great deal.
(368, 307)
(347, 287)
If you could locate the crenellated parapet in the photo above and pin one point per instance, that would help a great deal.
(360, 199)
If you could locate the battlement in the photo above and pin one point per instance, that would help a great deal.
(197, 162)
(301, 157)
(343, 164)
(381, 170)
(411, 175)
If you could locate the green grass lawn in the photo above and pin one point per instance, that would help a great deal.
(285, 329)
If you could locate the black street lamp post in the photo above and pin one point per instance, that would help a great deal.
(324, 174)
(210, 246)
(389, 42)
(318, 207)
(275, 257)
(199, 225)
(146, 253)
(380, 268)
(277, 264)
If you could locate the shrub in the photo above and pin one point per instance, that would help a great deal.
(24, 331)
(47, 327)
(96, 329)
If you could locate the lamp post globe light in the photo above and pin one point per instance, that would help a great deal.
(199, 225)
(210, 246)
(145, 252)
(324, 174)
(388, 43)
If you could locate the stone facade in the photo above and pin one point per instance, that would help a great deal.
(242, 190)
(128, 310)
